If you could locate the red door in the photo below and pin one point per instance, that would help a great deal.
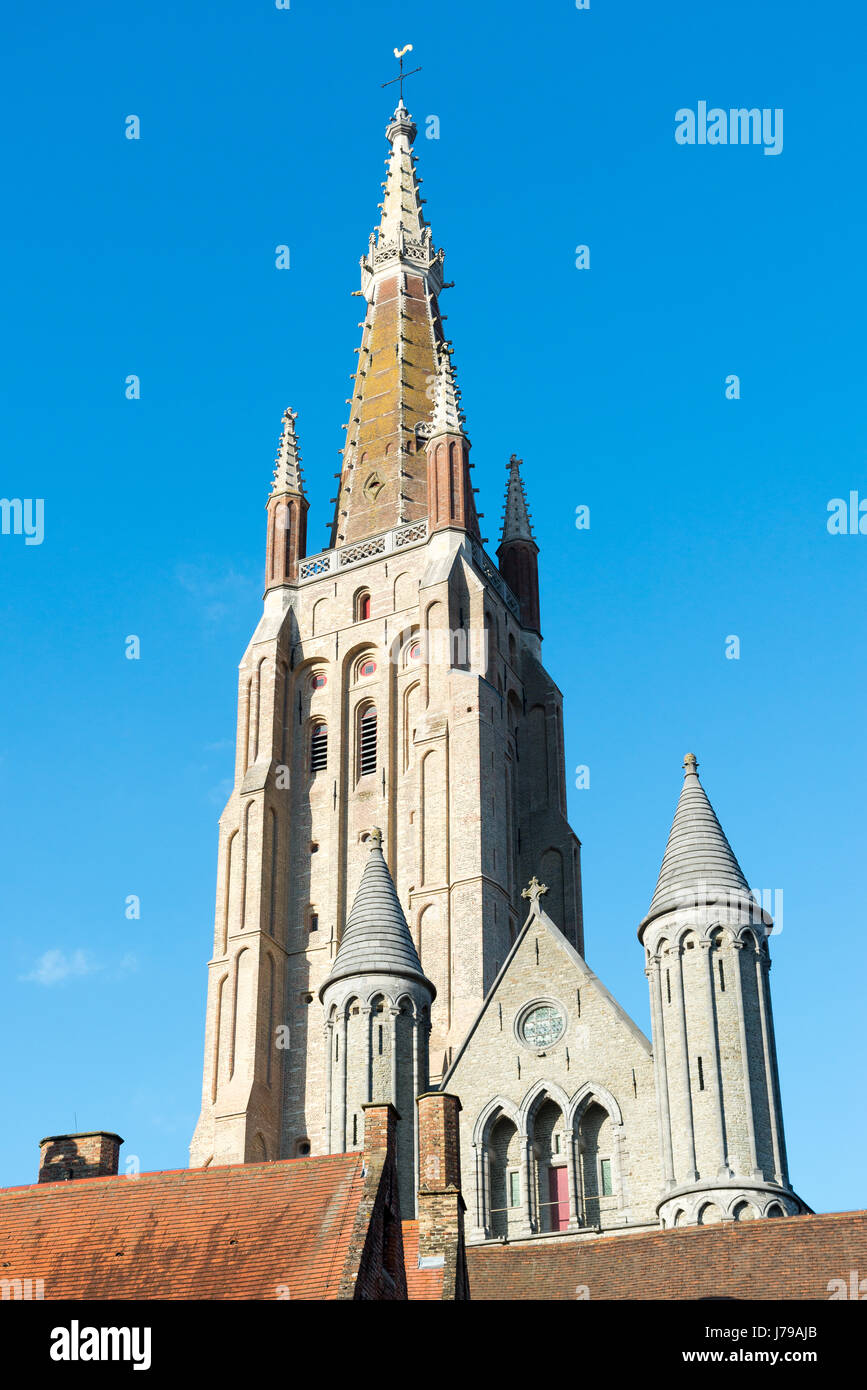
(558, 1189)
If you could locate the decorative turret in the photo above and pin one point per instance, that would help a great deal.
(450, 500)
(517, 552)
(287, 510)
(377, 1002)
(718, 1093)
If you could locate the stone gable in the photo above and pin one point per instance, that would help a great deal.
(585, 1099)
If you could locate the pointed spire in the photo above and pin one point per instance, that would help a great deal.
(516, 521)
(517, 553)
(447, 418)
(286, 541)
(402, 218)
(383, 481)
(377, 940)
(699, 866)
(287, 464)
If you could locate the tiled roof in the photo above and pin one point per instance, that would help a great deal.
(773, 1258)
(421, 1284)
(244, 1231)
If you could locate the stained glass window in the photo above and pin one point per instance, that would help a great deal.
(542, 1026)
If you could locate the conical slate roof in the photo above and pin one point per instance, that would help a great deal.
(699, 865)
(377, 939)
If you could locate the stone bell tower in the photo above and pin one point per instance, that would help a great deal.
(395, 678)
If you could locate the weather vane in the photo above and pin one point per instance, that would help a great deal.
(399, 54)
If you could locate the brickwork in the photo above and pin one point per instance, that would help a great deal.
(440, 1204)
(65, 1157)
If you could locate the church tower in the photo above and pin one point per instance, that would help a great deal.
(394, 679)
(718, 1092)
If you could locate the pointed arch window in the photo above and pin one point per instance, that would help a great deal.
(362, 605)
(318, 747)
(367, 742)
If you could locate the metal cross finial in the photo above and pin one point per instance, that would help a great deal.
(399, 54)
(534, 893)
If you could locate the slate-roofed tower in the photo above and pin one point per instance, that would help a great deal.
(718, 1093)
(377, 1002)
(394, 679)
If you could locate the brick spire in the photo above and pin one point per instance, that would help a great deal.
(517, 552)
(287, 510)
(383, 482)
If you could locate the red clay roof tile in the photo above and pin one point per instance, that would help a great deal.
(244, 1231)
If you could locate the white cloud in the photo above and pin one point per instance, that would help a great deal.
(56, 966)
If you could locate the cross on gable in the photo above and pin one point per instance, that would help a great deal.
(534, 892)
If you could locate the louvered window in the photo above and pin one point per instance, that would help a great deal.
(367, 743)
(319, 748)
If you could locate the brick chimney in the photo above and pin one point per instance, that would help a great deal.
(93, 1154)
(440, 1204)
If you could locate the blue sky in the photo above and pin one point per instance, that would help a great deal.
(262, 127)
